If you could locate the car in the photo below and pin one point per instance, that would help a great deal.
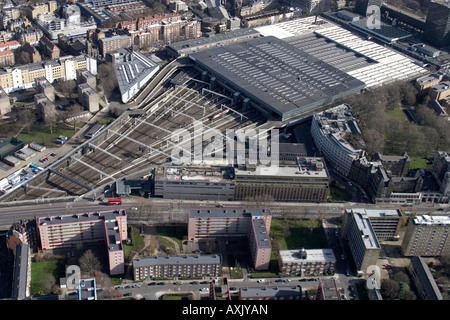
(127, 294)
(347, 273)
(204, 282)
(152, 283)
(261, 280)
(194, 282)
(342, 256)
(278, 280)
(204, 289)
(53, 154)
(344, 297)
(161, 283)
(303, 280)
(233, 289)
(117, 295)
(137, 285)
(120, 287)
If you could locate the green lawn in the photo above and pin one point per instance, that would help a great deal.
(396, 113)
(40, 270)
(306, 234)
(41, 134)
(419, 163)
(338, 194)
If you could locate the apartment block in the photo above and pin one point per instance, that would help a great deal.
(88, 97)
(254, 224)
(109, 44)
(45, 87)
(5, 105)
(64, 68)
(106, 228)
(439, 91)
(427, 236)
(306, 262)
(358, 232)
(6, 58)
(177, 266)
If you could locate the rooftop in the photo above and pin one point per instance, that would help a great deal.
(81, 217)
(306, 167)
(283, 79)
(270, 292)
(311, 255)
(200, 213)
(177, 260)
(432, 220)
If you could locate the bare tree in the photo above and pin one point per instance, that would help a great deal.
(89, 263)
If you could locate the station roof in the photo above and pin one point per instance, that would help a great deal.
(282, 78)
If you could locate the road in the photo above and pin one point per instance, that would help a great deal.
(168, 210)
(152, 290)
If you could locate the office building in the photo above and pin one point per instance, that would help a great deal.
(177, 266)
(254, 224)
(271, 293)
(105, 228)
(385, 223)
(439, 91)
(336, 134)
(437, 24)
(423, 280)
(194, 183)
(306, 262)
(363, 243)
(427, 236)
(306, 181)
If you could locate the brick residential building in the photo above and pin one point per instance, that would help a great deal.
(177, 266)
(106, 228)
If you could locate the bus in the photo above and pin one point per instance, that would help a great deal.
(114, 202)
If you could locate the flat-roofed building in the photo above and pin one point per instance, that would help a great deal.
(271, 293)
(177, 266)
(386, 223)
(6, 58)
(107, 228)
(281, 80)
(364, 246)
(423, 279)
(87, 289)
(427, 236)
(306, 262)
(439, 91)
(88, 97)
(306, 181)
(327, 290)
(330, 131)
(194, 183)
(254, 224)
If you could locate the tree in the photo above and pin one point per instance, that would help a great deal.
(89, 263)
(48, 284)
(390, 289)
(106, 78)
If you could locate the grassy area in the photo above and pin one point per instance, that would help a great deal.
(138, 240)
(41, 134)
(177, 233)
(396, 113)
(39, 272)
(419, 163)
(296, 234)
(338, 194)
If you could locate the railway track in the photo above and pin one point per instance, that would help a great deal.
(136, 142)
